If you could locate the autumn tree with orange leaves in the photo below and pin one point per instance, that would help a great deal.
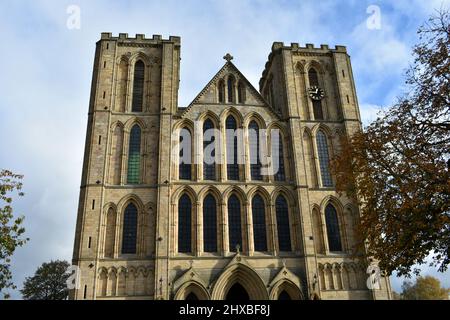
(397, 168)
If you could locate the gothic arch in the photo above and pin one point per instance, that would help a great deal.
(233, 112)
(209, 115)
(262, 192)
(284, 191)
(239, 273)
(194, 287)
(185, 189)
(211, 189)
(316, 65)
(133, 121)
(122, 204)
(289, 286)
(238, 192)
(254, 116)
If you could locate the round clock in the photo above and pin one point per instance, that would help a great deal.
(316, 93)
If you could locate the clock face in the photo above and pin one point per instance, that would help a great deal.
(316, 93)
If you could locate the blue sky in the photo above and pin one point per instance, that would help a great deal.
(46, 74)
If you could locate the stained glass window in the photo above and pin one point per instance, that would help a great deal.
(134, 155)
(129, 233)
(333, 233)
(255, 163)
(283, 225)
(209, 224)
(232, 149)
(221, 91)
(259, 224)
(230, 85)
(324, 159)
(278, 148)
(138, 87)
(184, 224)
(209, 169)
(234, 223)
(185, 155)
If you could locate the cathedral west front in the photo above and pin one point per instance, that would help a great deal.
(230, 197)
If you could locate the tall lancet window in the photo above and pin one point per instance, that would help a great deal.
(221, 89)
(209, 152)
(138, 86)
(185, 159)
(324, 159)
(283, 226)
(259, 223)
(278, 152)
(317, 104)
(234, 223)
(241, 92)
(230, 85)
(232, 149)
(209, 224)
(333, 233)
(254, 144)
(129, 232)
(134, 156)
(184, 224)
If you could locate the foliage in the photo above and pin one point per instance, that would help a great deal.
(11, 229)
(425, 288)
(398, 167)
(48, 282)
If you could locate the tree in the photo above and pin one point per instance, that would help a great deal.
(425, 288)
(11, 230)
(398, 167)
(48, 282)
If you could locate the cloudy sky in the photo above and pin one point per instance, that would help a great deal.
(45, 75)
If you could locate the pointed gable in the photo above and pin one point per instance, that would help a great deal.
(210, 93)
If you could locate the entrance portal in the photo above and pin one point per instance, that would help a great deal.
(237, 293)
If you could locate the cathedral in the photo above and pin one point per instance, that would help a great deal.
(228, 198)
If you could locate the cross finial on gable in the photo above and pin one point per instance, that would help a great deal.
(228, 57)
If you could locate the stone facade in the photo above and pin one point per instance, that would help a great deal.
(142, 177)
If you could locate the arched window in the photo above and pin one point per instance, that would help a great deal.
(110, 233)
(209, 153)
(313, 77)
(278, 151)
(221, 88)
(324, 159)
(259, 223)
(234, 223)
(333, 233)
(134, 156)
(230, 85)
(283, 225)
(209, 224)
(184, 169)
(241, 92)
(317, 104)
(255, 163)
(115, 165)
(232, 149)
(138, 86)
(129, 233)
(184, 224)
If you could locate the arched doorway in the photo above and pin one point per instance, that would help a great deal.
(237, 293)
(191, 297)
(284, 296)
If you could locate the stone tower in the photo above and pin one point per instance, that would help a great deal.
(151, 226)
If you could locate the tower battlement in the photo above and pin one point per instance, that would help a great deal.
(155, 39)
(308, 50)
